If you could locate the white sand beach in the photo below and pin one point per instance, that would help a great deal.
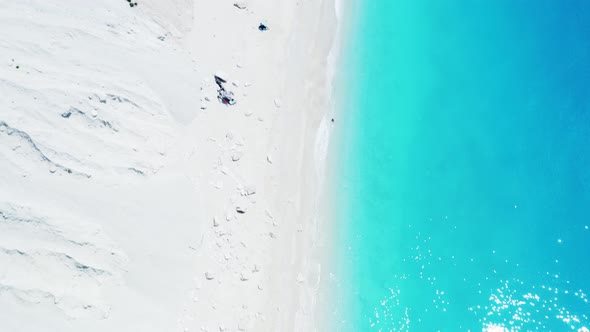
(131, 199)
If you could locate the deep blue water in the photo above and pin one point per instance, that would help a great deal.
(464, 189)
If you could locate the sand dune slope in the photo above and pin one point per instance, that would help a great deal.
(130, 198)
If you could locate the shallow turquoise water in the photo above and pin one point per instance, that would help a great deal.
(464, 191)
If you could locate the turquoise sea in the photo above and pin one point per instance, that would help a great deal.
(463, 188)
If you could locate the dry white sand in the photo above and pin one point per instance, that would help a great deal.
(130, 198)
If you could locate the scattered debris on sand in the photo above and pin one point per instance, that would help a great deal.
(132, 4)
(244, 276)
(226, 97)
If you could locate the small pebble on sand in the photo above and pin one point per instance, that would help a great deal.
(248, 190)
(241, 4)
(300, 278)
(237, 155)
(268, 213)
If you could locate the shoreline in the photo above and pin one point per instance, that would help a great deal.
(309, 221)
(337, 297)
